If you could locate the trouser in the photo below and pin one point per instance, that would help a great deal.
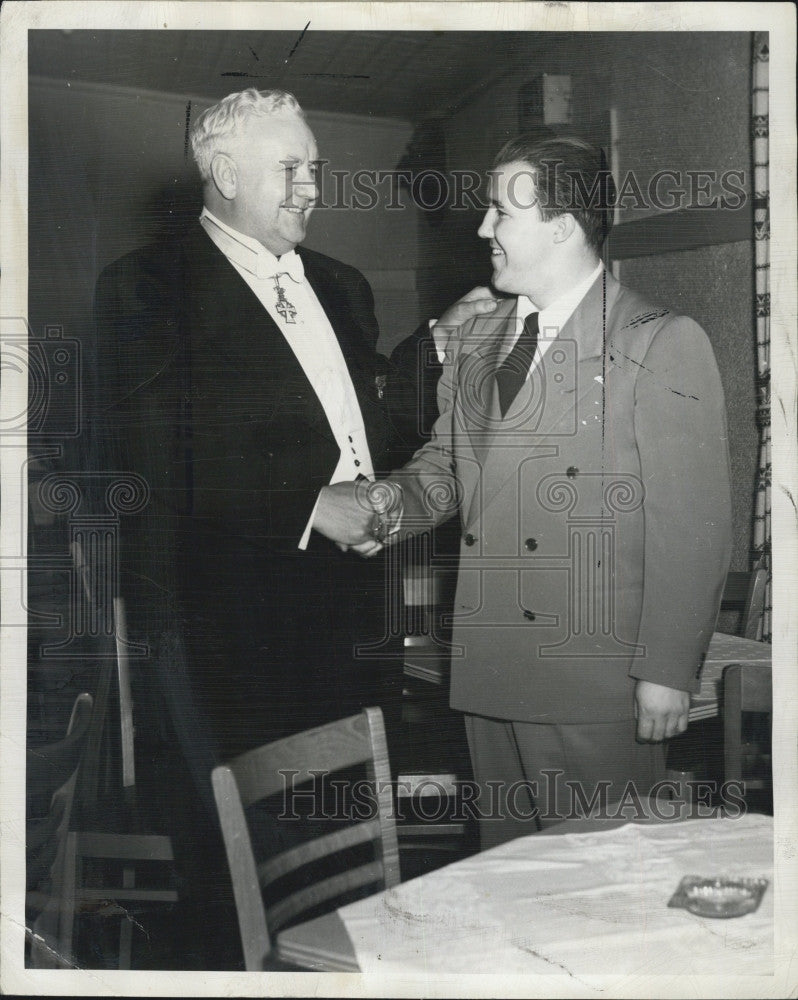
(531, 775)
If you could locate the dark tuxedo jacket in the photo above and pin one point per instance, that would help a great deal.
(199, 393)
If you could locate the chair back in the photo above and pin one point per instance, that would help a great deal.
(283, 766)
(744, 593)
(48, 766)
(747, 687)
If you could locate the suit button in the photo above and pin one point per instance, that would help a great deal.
(571, 472)
(531, 544)
(469, 539)
(529, 615)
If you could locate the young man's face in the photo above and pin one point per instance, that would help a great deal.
(275, 184)
(520, 239)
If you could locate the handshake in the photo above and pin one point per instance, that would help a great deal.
(362, 515)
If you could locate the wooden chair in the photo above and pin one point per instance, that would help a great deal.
(744, 593)
(261, 773)
(96, 870)
(747, 688)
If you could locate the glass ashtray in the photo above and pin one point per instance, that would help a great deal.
(719, 897)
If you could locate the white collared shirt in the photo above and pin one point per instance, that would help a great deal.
(310, 337)
(551, 320)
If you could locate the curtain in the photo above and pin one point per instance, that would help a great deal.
(761, 191)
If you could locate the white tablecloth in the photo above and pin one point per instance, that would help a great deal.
(593, 903)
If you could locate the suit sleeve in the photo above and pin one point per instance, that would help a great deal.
(681, 435)
(429, 480)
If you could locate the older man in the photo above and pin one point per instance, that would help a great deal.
(239, 376)
(583, 437)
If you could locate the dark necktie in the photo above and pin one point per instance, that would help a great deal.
(512, 372)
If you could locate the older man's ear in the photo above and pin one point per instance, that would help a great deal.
(224, 174)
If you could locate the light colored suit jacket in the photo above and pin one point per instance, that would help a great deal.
(596, 515)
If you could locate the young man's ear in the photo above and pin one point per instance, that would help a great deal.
(225, 175)
(564, 227)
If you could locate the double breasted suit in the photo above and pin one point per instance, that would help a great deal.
(200, 394)
(596, 515)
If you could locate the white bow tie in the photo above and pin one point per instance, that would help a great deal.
(291, 264)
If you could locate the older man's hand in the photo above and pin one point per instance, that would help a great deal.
(344, 514)
(360, 515)
(477, 302)
(661, 711)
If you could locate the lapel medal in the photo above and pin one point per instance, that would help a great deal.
(285, 308)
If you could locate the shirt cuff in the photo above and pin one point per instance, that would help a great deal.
(441, 342)
(303, 541)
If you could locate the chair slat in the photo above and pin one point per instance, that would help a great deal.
(130, 895)
(125, 846)
(320, 847)
(321, 892)
(261, 772)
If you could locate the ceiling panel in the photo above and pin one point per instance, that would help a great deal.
(401, 74)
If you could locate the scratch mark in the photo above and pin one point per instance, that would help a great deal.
(186, 137)
(548, 961)
(684, 395)
(633, 361)
(254, 53)
(269, 76)
(689, 90)
(789, 495)
(296, 43)
(648, 317)
(341, 76)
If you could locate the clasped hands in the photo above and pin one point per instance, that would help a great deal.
(361, 515)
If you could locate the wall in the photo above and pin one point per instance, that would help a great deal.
(690, 111)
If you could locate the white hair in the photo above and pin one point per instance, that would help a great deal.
(228, 116)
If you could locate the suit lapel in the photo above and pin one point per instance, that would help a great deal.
(245, 334)
(355, 341)
(567, 370)
(549, 400)
(478, 409)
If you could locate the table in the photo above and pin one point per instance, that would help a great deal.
(578, 903)
(723, 650)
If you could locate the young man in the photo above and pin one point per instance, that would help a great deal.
(583, 437)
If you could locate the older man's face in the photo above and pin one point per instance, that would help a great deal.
(276, 186)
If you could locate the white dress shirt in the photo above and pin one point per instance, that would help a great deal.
(310, 336)
(551, 319)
